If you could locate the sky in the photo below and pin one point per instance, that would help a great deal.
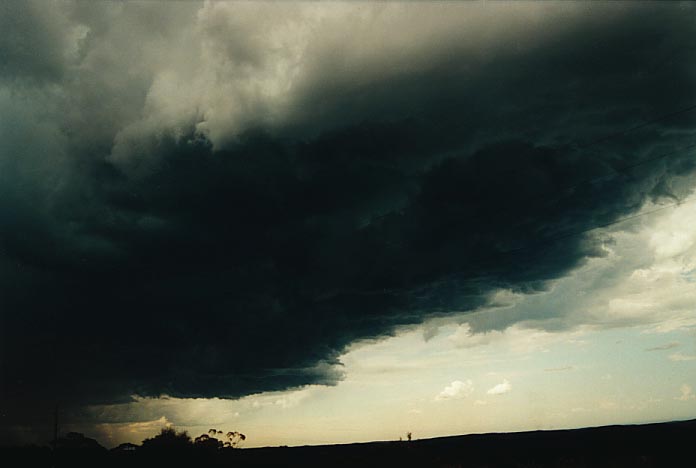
(330, 222)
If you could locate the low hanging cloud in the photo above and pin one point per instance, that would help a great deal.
(457, 389)
(500, 389)
(222, 203)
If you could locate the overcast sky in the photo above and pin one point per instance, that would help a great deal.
(329, 222)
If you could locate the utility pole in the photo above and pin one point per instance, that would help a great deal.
(55, 428)
(54, 442)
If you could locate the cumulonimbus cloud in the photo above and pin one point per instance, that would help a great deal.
(217, 207)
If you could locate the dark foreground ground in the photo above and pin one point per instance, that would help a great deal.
(653, 445)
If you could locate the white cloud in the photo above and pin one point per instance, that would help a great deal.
(687, 393)
(480, 402)
(501, 388)
(681, 357)
(456, 389)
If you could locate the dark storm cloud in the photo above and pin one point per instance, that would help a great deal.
(170, 264)
(31, 42)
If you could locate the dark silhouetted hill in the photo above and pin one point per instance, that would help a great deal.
(648, 445)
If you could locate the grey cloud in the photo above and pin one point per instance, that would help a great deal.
(34, 42)
(664, 347)
(179, 218)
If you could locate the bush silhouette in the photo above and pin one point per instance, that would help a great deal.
(168, 439)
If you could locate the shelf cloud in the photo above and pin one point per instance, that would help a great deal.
(214, 201)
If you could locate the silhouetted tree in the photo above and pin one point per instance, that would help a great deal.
(234, 438)
(210, 441)
(168, 439)
(75, 450)
(206, 442)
